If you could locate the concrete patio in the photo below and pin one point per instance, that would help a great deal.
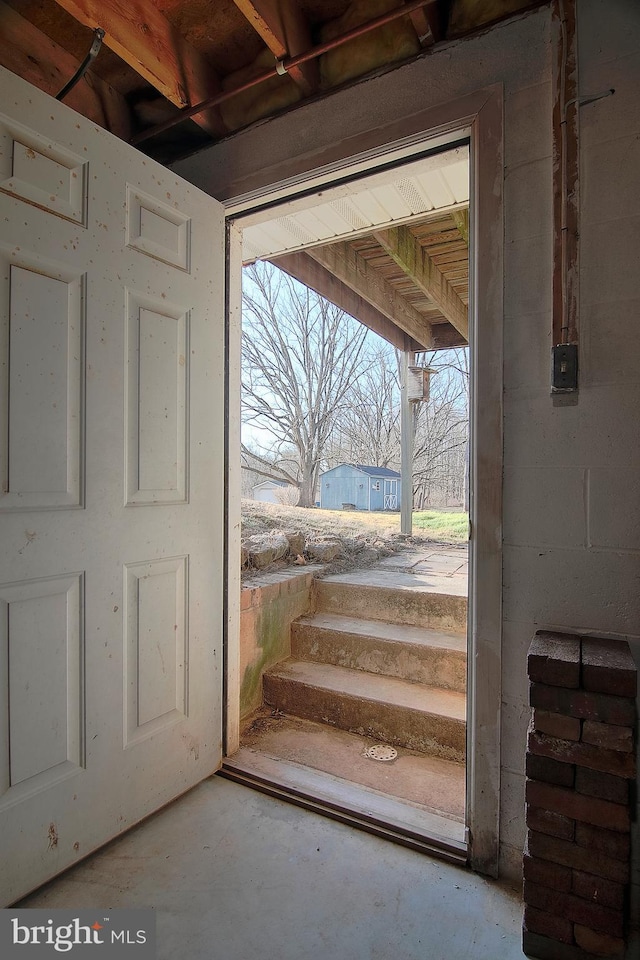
(432, 567)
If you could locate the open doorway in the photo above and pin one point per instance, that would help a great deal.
(478, 119)
(391, 249)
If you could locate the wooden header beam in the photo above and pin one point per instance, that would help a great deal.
(343, 262)
(445, 337)
(413, 259)
(302, 267)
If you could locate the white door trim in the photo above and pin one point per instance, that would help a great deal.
(480, 117)
(232, 680)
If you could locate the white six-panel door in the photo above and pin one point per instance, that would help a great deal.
(111, 462)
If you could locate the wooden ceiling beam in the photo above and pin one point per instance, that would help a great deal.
(350, 268)
(403, 248)
(144, 38)
(302, 267)
(284, 29)
(461, 220)
(425, 23)
(422, 28)
(445, 337)
(25, 50)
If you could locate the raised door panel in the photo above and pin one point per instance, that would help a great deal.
(156, 401)
(41, 352)
(157, 229)
(42, 683)
(156, 603)
(41, 172)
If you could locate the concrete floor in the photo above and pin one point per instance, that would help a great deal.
(236, 875)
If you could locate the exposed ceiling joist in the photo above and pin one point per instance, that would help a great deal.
(358, 274)
(425, 24)
(413, 259)
(283, 27)
(302, 267)
(52, 68)
(219, 59)
(145, 39)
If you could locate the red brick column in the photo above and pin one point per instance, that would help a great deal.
(580, 761)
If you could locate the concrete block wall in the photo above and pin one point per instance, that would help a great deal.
(601, 434)
(580, 764)
(571, 470)
(528, 219)
(268, 606)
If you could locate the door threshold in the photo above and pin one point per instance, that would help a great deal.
(365, 809)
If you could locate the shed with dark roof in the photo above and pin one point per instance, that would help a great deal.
(359, 487)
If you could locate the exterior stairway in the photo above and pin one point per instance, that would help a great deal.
(382, 662)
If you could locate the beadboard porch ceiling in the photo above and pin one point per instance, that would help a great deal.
(392, 249)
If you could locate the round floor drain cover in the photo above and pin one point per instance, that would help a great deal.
(381, 752)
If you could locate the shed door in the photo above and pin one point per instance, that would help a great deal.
(111, 432)
(390, 494)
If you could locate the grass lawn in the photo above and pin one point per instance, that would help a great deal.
(442, 525)
(450, 526)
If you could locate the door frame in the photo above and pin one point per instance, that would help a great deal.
(477, 118)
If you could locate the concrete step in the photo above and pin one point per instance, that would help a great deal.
(348, 799)
(394, 711)
(409, 653)
(397, 603)
(412, 777)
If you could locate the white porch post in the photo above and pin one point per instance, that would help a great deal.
(406, 449)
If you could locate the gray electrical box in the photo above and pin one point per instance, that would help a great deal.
(564, 368)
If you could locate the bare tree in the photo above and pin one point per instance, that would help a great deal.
(441, 431)
(301, 357)
(275, 462)
(258, 464)
(369, 430)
